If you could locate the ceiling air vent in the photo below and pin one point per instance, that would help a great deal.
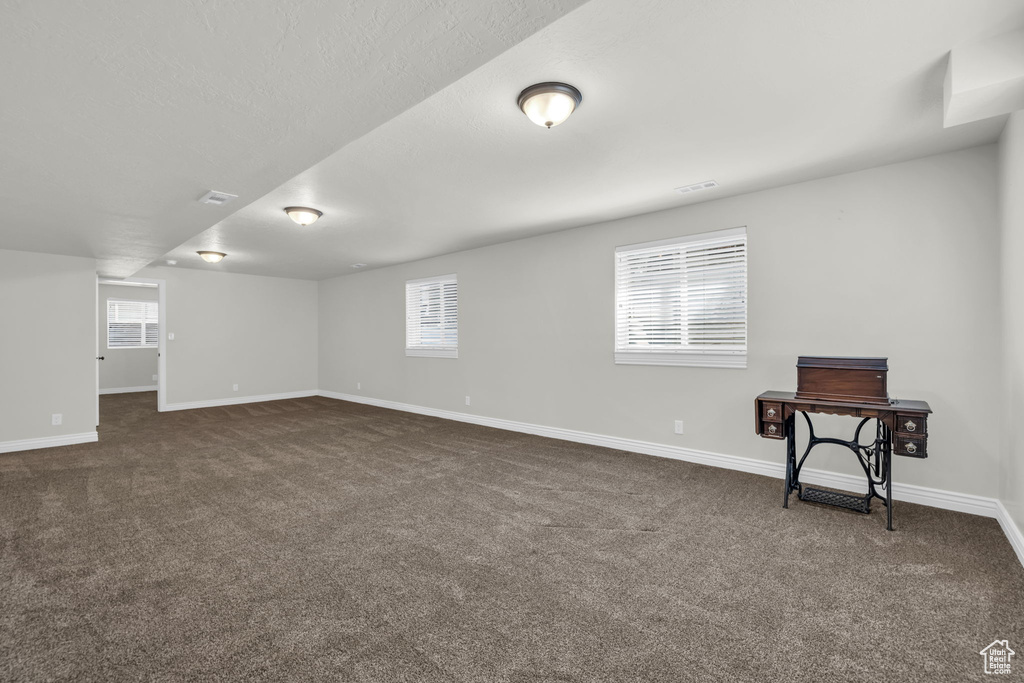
(696, 187)
(217, 198)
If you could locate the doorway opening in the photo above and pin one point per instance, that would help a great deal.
(130, 355)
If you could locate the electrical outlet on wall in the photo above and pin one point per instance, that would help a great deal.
(155, 377)
(234, 387)
(467, 400)
(679, 426)
(359, 385)
(56, 419)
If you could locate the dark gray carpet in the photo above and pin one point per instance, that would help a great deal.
(314, 539)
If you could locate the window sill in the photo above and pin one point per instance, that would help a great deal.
(693, 360)
(432, 353)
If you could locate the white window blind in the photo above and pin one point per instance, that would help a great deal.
(683, 301)
(432, 317)
(132, 324)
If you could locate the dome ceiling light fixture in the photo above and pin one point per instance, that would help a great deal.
(548, 104)
(303, 215)
(212, 256)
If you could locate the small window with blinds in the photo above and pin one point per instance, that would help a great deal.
(132, 324)
(683, 301)
(432, 317)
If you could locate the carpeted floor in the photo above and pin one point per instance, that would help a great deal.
(314, 539)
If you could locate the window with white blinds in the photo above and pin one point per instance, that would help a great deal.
(683, 301)
(432, 317)
(132, 324)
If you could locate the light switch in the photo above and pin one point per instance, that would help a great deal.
(170, 336)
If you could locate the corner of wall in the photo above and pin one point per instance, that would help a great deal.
(1011, 220)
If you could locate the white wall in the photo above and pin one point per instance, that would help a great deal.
(124, 368)
(47, 345)
(899, 261)
(1011, 177)
(257, 332)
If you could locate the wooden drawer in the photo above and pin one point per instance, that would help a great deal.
(914, 446)
(911, 424)
(773, 430)
(771, 412)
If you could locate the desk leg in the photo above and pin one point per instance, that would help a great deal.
(887, 453)
(790, 459)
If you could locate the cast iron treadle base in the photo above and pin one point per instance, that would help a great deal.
(840, 500)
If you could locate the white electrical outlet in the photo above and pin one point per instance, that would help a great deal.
(155, 378)
(56, 419)
(679, 426)
(234, 387)
(359, 385)
(467, 400)
(170, 336)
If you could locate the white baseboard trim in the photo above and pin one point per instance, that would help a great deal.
(1012, 531)
(234, 401)
(910, 493)
(127, 390)
(47, 442)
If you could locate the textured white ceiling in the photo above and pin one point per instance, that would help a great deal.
(751, 94)
(117, 116)
(398, 120)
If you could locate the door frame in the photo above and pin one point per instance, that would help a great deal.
(96, 340)
(161, 347)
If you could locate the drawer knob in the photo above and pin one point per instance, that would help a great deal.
(910, 425)
(771, 412)
(911, 448)
(772, 429)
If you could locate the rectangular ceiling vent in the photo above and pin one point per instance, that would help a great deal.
(696, 187)
(217, 198)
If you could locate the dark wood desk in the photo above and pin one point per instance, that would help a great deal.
(901, 427)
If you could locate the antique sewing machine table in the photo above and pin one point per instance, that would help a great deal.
(901, 427)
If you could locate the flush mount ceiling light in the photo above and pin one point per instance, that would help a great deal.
(303, 215)
(548, 104)
(211, 256)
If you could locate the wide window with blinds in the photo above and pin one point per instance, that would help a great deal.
(432, 317)
(132, 324)
(683, 301)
